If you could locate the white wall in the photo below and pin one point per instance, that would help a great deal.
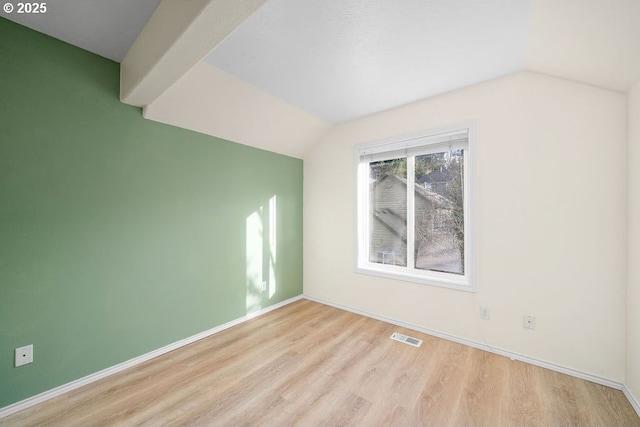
(211, 101)
(551, 181)
(633, 283)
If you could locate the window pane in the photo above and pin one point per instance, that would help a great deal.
(388, 212)
(439, 207)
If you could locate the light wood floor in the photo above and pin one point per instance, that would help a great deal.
(309, 364)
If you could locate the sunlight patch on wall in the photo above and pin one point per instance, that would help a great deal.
(254, 258)
(261, 250)
(272, 246)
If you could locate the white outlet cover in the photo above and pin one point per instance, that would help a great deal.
(485, 312)
(24, 355)
(529, 321)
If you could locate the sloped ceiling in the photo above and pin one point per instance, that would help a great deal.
(341, 60)
(278, 74)
(107, 28)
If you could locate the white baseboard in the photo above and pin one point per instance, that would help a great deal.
(506, 353)
(632, 399)
(49, 394)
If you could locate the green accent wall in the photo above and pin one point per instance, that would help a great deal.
(120, 235)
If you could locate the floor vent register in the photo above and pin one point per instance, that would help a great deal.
(406, 339)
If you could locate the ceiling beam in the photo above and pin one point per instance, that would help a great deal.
(179, 34)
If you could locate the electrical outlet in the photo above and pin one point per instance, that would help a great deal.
(24, 355)
(264, 286)
(485, 312)
(529, 321)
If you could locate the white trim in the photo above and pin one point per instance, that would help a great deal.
(515, 356)
(401, 273)
(49, 394)
(471, 209)
(435, 136)
(411, 219)
(631, 398)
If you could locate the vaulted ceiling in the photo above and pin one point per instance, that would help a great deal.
(278, 74)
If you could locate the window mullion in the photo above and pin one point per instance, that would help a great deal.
(411, 212)
(364, 211)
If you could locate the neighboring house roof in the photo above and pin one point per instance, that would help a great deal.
(431, 196)
(394, 222)
(435, 176)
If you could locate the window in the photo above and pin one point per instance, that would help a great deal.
(413, 208)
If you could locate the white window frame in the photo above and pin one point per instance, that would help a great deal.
(434, 140)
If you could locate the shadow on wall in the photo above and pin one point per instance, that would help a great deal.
(261, 255)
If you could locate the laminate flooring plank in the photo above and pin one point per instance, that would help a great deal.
(335, 408)
(310, 364)
(523, 404)
(483, 391)
(564, 399)
(438, 401)
(388, 414)
(607, 405)
(238, 400)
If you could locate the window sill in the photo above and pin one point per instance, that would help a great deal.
(389, 273)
